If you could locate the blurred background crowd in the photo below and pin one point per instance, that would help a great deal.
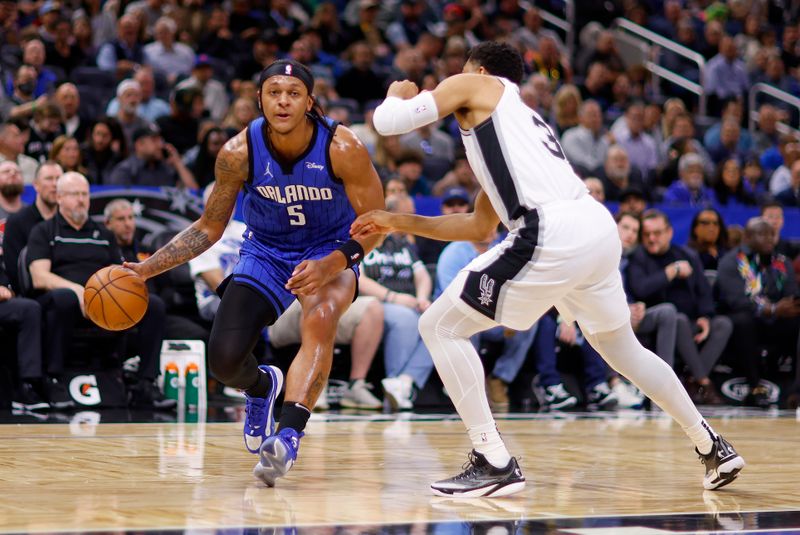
(666, 108)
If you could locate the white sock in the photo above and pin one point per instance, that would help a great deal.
(486, 440)
(702, 435)
(446, 331)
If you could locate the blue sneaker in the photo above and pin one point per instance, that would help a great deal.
(259, 413)
(277, 456)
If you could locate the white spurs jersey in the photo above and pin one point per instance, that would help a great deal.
(518, 161)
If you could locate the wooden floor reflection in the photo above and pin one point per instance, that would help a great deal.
(178, 476)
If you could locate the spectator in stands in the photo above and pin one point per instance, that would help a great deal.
(461, 176)
(98, 153)
(362, 81)
(241, 112)
(23, 317)
(12, 148)
(153, 163)
(129, 95)
(533, 31)
(659, 321)
(148, 12)
(586, 145)
(547, 60)
(618, 175)
(365, 131)
(455, 200)
(790, 197)
(215, 97)
(673, 107)
(21, 103)
(150, 107)
(69, 100)
(772, 212)
(49, 14)
(11, 188)
(757, 289)
(85, 34)
(125, 53)
(63, 252)
(202, 166)
(393, 273)
(540, 97)
(566, 103)
(217, 40)
(713, 35)
(436, 147)
(633, 201)
(405, 31)
(789, 148)
(661, 272)
(708, 237)
(596, 189)
(690, 190)
(167, 57)
(775, 75)
(730, 188)
(180, 127)
(19, 225)
(264, 51)
(725, 75)
(33, 54)
(640, 146)
(409, 170)
(753, 178)
(730, 145)
(732, 109)
(63, 50)
(45, 128)
(767, 135)
(67, 153)
(604, 52)
(620, 99)
(455, 257)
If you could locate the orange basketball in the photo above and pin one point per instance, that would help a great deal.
(115, 298)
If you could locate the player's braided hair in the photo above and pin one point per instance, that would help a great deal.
(499, 59)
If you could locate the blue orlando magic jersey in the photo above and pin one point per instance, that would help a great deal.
(294, 208)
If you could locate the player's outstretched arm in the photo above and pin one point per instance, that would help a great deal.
(474, 226)
(406, 109)
(351, 163)
(231, 172)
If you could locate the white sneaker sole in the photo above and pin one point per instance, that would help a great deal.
(271, 464)
(489, 491)
(725, 474)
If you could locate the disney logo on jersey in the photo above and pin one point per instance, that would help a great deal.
(294, 193)
(312, 165)
(486, 286)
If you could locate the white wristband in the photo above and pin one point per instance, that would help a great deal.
(397, 116)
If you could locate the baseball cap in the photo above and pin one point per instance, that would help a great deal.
(49, 6)
(145, 131)
(453, 10)
(202, 60)
(632, 191)
(455, 194)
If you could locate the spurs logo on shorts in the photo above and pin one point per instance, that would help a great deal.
(487, 289)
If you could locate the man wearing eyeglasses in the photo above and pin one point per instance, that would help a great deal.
(63, 252)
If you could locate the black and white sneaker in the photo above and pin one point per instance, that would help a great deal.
(57, 395)
(26, 398)
(555, 397)
(722, 464)
(480, 478)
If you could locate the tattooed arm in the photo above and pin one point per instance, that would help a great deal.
(231, 172)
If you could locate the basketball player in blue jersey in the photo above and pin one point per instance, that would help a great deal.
(305, 179)
(562, 249)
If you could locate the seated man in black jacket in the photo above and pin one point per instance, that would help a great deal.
(63, 252)
(660, 272)
(757, 289)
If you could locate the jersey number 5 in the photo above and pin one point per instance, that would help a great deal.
(296, 216)
(552, 143)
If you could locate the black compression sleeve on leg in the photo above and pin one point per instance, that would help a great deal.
(242, 314)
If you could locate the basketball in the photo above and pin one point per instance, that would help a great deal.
(115, 298)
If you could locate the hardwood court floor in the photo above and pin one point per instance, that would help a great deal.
(67, 477)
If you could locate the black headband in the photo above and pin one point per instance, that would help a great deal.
(284, 67)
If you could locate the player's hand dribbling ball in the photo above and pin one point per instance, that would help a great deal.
(115, 298)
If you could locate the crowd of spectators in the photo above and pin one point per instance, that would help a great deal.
(146, 92)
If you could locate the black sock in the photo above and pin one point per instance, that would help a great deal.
(294, 415)
(260, 386)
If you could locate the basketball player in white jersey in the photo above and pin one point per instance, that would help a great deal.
(562, 249)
